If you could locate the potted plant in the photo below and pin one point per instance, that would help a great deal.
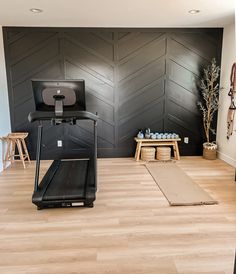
(209, 87)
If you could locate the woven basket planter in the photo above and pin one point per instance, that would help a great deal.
(209, 151)
(148, 153)
(163, 153)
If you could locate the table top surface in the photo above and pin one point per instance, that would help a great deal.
(156, 140)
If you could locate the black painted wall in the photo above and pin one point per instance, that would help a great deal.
(135, 78)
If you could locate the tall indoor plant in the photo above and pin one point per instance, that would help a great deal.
(209, 87)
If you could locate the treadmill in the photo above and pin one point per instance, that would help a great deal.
(67, 182)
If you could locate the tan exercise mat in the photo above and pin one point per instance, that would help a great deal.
(177, 186)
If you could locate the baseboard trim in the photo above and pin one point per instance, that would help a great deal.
(227, 159)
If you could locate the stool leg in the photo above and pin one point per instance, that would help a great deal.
(7, 153)
(13, 144)
(20, 152)
(25, 150)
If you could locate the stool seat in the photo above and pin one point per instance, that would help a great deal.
(16, 135)
(13, 140)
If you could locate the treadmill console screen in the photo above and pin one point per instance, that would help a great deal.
(70, 92)
(49, 94)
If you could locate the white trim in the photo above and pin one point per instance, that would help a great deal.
(5, 125)
(226, 158)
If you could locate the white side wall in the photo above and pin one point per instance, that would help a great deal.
(227, 148)
(5, 126)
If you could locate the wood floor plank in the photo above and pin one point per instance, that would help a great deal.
(131, 230)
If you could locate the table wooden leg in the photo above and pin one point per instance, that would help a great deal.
(174, 150)
(136, 152)
(139, 150)
(177, 151)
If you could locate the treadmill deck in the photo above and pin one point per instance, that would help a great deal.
(69, 180)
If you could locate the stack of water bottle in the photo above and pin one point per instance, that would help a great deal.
(147, 134)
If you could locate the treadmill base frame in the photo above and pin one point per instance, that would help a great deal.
(63, 204)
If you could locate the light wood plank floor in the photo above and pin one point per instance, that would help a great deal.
(131, 229)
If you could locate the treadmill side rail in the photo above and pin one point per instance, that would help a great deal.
(66, 116)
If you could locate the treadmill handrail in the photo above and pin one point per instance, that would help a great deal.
(47, 115)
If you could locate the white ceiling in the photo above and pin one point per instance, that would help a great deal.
(117, 13)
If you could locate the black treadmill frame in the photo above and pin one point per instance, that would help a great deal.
(72, 117)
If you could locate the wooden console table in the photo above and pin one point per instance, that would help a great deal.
(156, 142)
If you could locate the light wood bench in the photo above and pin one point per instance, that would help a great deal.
(154, 143)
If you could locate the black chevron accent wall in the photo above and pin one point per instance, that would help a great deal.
(135, 78)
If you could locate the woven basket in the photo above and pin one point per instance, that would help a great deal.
(209, 151)
(148, 153)
(163, 153)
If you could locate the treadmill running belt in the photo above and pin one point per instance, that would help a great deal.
(69, 181)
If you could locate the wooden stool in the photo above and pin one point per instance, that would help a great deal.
(13, 140)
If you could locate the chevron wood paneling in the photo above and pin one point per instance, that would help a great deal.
(187, 55)
(140, 86)
(135, 78)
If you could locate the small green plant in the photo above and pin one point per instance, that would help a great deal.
(209, 87)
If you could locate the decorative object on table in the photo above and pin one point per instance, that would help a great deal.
(167, 136)
(14, 140)
(232, 107)
(210, 92)
(148, 153)
(140, 135)
(163, 153)
(148, 133)
(153, 136)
